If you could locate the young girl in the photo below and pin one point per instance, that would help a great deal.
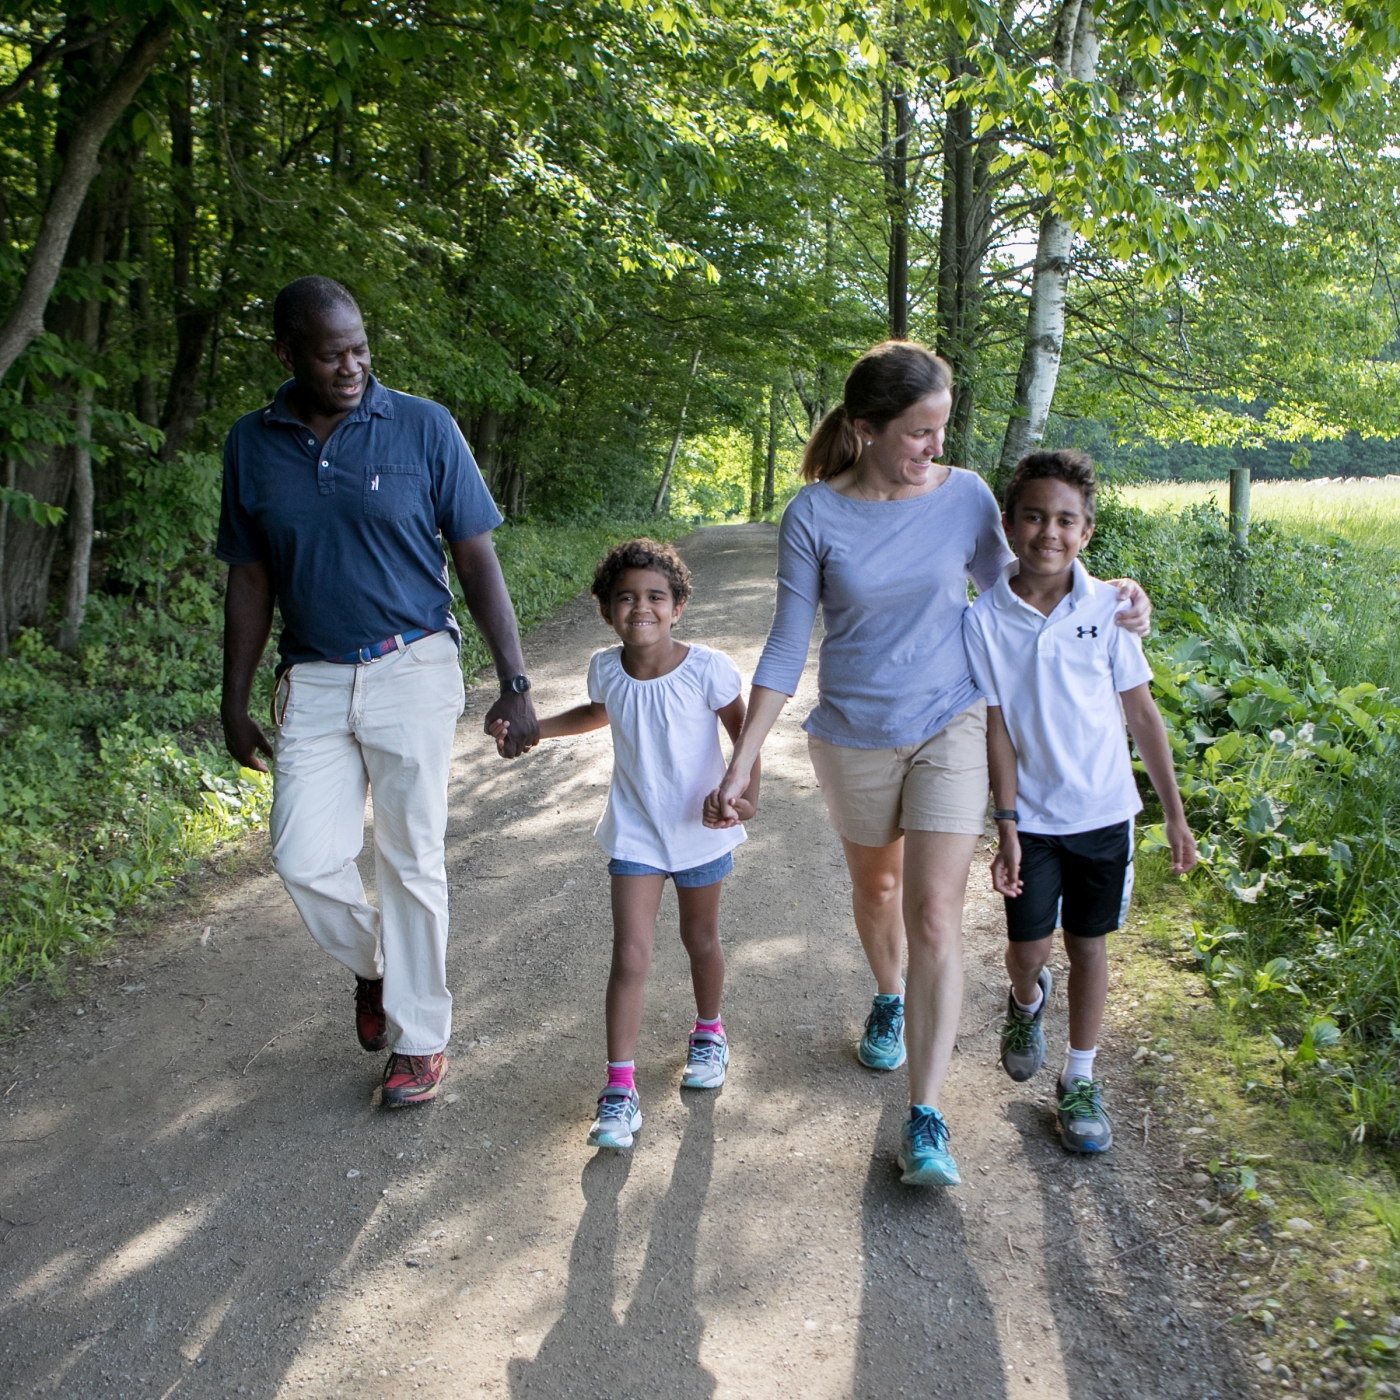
(661, 697)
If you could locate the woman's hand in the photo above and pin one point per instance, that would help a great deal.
(729, 805)
(1137, 617)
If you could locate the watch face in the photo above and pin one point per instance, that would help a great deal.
(520, 684)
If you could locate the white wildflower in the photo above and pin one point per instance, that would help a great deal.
(1277, 735)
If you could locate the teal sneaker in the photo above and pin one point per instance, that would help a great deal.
(923, 1150)
(706, 1061)
(882, 1045)
(1023, 1037)
(619, 1116)
(1084, 1125)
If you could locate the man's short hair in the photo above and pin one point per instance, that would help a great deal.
(1067, 464)
(641, 554)
(299, 302)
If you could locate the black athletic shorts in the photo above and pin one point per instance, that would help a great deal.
(1081, 878)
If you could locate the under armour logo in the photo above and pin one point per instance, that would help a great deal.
(374, 486)
(1088, 631)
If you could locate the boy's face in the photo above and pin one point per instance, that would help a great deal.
(1048, 527)
(641, 609)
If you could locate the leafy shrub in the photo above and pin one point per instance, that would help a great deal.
(1290, 767)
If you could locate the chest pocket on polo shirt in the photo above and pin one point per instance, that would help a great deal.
(395, 491)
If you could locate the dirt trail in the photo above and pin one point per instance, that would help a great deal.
(201, 1199)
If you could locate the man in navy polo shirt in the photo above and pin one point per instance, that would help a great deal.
(337, 500)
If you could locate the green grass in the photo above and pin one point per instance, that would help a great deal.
(1364, 510)
(114, 783)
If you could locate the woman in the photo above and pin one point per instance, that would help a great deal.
(884, 540)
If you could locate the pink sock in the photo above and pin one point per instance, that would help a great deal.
(715, 1027)
(620, 1074)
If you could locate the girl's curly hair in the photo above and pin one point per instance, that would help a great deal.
(641, 554)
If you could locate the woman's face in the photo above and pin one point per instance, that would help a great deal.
(905, 449)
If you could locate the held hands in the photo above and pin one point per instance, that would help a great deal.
(729, 804)
(511, 722)
(1006, 864)
(1182, 843)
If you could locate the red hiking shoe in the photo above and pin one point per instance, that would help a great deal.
(410, 1079)
(370, 1023)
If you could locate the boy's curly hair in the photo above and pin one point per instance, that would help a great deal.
(1067, 464)
(640, 554)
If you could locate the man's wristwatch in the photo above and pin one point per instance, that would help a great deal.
(519, 684)
(1006, 814)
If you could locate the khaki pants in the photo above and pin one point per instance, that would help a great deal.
(384, 726)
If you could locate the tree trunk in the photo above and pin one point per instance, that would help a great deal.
(756, 464)
(26, 319)
(143, 324)
(1076, 56)
(193, 321)
(896, 160)
(80, 526)
(771, 465)
(676, 440)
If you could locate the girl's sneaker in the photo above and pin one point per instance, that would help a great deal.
(923, 1150)
(619, 1116)
(1023, 1037)
(706, 1060)
(1084, 1125)
(882, 1045)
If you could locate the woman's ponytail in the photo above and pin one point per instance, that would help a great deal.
(832, 448)
(886, 380)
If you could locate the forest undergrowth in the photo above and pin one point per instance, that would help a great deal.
(1280, 685)
(114, 782)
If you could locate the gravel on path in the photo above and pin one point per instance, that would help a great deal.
(201, 1198)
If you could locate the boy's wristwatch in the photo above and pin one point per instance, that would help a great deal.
(518, 684)
(1006, 814)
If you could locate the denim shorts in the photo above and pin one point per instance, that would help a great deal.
(693, 879)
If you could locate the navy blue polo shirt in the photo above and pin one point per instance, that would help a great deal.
(350, 528)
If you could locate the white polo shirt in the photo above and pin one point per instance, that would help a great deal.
(1056, 680)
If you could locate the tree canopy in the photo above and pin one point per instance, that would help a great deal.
(596, 228)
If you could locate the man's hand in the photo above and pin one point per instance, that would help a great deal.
(1183, 845)
(1137, 616)
(521, 729)
(244, 739)
(1006, 864)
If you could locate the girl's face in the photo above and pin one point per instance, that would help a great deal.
(905, 449)
(641, 609)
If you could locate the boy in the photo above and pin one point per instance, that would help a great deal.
(1044, 650)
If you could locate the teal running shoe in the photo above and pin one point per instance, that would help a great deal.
(882, 1045)
(706, 1061)
(923, 1150)
(1023, 1037)
(619, 1116)
(1084, 1125)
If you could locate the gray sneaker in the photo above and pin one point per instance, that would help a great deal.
(1023, 1037)
(619, 1117)
(1084, 1126)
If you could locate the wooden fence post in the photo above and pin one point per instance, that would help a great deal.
(1239, 532)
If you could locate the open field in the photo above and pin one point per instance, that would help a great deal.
(1365, 510)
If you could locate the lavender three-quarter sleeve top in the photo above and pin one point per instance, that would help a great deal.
(891, 579)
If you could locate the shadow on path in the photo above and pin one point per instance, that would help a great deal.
(655, 1350)
(926, 1323)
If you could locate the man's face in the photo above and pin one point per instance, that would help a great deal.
(330, 361)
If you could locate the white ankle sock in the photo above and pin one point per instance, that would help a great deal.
(1033, 1007)
(1079, 1064)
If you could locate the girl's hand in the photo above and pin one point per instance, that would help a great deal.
(1006, 866)
(498, 731)
(722, 806)
(1137, 617)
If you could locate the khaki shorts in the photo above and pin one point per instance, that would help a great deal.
(874, 795)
